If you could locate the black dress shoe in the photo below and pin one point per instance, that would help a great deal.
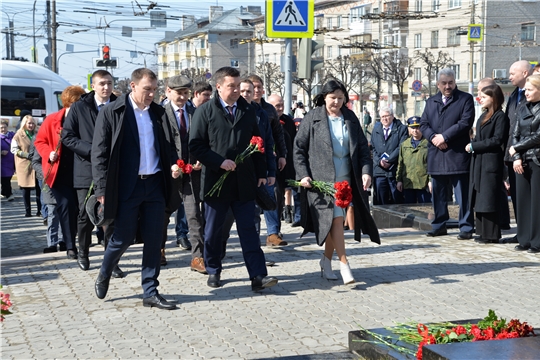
(159, 302)
(117, 273)
(183, 242)
(481, 240)
(62, 246)
(262, 282)
(464, 236)
(512, 240)
(214, 281)
(84, 262)
(50, 249)
(71, 255)
(521, 248)
(438, 232)
(102, 286)
(533, 250)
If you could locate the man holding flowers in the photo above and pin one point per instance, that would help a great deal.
(222, 129)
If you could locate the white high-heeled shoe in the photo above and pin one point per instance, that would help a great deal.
(346, 273)
(326, 268)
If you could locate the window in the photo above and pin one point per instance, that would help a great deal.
(417, 73)
(329, 23)
(266, 58)
(357, 13)
(453, 37)
(233, 44)
(456, 69)
(527, 32)
(452, 4)
(339, 20)
(23, 98)
(473, 70)
(417, 41)
(418, 6)
(319, 22)
(201, 62)
(235, 63)
(435, 5)
(329, 52)
(435, 39)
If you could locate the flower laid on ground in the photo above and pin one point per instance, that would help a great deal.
(490, 328)
(341, 190)
(256, 144)
(6, 304)
(183, 167)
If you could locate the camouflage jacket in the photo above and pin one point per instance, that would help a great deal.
(412, 165)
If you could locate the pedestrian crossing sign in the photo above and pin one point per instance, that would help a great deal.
(476, 32)
(290, 18)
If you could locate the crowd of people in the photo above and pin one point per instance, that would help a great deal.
(118, 164)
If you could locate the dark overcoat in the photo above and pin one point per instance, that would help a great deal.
(313, 157)
(512, 106)
(107, 163)
(396, 136)
(454, 121)
(77, 135)
(487, 164)
(213, 139)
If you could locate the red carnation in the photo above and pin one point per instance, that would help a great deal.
(187, 169)
(180, 163)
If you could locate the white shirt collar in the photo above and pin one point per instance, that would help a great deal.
(135, 107)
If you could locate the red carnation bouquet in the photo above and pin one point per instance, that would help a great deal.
(341, 191)
(256, 144)
(183, 167)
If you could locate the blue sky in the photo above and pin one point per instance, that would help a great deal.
(79, 26)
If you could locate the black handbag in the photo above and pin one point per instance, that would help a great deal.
(265, 200)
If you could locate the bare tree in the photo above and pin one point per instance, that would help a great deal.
(433, 64)
(376, 68)
(195, 74)
(309, 85)
(123, 85)
(274, 80)
(399, 67)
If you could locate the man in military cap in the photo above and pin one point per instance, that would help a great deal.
(411, 175)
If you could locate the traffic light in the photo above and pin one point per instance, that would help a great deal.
(106, 52)
(306, 65)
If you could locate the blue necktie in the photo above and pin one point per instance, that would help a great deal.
(521, 94)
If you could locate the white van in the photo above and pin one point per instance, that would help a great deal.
(28, 86)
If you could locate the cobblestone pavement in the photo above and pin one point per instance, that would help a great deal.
(409, 277)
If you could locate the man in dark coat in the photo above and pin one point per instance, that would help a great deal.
(386, 138)
(446, 122)
(132, 155)
(77, 135)
(222, 128)
(519, 72)
(187, 187)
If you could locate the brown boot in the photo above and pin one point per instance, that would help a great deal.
(163, 258)
(197, 264)
(275, 240)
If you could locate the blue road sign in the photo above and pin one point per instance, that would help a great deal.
(290, 18)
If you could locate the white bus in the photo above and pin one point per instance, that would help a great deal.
(28, 86)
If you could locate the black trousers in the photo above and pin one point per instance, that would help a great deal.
(487, 225)
(6, 186)
(26, 198)
(528, 205)
(84, 225)
(66, 210)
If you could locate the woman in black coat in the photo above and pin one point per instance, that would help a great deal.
(487, 164)
(330, 146)
(525, 151)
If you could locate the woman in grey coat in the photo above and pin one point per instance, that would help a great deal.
(330, 146)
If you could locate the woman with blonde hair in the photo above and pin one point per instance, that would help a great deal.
(57, 165)
(525, 151)
(26, 176)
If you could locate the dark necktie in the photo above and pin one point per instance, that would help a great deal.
(521, 95)
(100, 106)
(231, 114)
(183, 128)
(386, 133)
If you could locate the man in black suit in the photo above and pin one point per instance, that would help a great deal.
(132, 156)
(221, 129)
(77, 135)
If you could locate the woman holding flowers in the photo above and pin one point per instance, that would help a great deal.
(26, 176)
(57, 165)
(331, 147)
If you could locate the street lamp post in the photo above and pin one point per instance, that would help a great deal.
(11, 53)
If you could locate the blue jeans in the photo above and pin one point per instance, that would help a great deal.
(54, 235)
(273, 223)
(296, 200)
(181, 222)
(44, 207)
